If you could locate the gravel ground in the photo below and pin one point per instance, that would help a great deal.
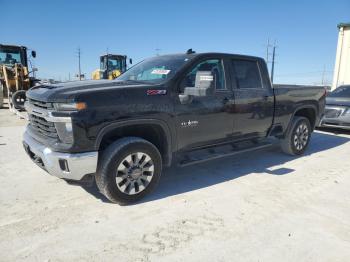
(261, 206)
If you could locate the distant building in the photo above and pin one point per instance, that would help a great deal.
(342, 60)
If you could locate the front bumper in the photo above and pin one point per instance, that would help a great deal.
(63, 165)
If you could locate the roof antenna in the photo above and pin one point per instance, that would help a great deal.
(190, 51)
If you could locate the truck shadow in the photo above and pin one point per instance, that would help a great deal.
(176, 180)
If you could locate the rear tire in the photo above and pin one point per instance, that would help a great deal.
(298, 136)
(128, 169)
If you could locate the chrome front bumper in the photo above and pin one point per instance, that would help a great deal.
(62, 165)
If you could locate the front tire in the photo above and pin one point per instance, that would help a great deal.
(128, 169)
(298, 136)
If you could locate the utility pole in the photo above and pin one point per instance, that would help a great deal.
(323, 74)
(273, 61)
(79, 63)
(268, 51)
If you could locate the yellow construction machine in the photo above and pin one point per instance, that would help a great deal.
(15, 77)
(111, 66)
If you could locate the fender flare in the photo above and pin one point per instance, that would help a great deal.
(164, 126)
(310, 106)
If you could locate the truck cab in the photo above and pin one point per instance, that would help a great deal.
(238, 104)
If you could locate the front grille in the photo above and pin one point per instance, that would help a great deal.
(332, 112)
(43, 105)
(40, 124)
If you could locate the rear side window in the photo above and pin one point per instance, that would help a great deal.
(247, 74)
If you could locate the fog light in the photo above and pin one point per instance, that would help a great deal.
(63, 165)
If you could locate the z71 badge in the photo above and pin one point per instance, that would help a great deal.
(189, 123)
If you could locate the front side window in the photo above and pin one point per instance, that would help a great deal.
(212, 67)
(247, 74)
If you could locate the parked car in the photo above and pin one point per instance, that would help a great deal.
(183, 109)
(337, 111)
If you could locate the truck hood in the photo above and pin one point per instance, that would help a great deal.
(67, 91)
(339, 101)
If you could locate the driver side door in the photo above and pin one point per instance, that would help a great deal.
(208, 119)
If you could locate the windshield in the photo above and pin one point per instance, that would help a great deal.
(10, 57)
(342, 91)
(155, 70)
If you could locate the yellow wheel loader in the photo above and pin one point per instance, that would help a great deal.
(15, 77)
(111, 66)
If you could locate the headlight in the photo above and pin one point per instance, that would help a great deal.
(69, 106)
(347, 111)
(65, 132)
(63, 124)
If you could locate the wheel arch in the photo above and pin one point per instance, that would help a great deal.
(153, 130)
(308, 111)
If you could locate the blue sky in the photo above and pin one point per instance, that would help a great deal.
(306, 32)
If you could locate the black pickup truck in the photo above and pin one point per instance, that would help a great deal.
(183, 108)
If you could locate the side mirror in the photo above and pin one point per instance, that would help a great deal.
(130, 61)
(185, 99)
(204, 79)
(203, 83)
(191, 92)
(196, 91)
(33, 53)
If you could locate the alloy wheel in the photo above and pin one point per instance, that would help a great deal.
(301, 136)
(134, 173)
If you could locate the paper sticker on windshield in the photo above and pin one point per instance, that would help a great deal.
(160, 72)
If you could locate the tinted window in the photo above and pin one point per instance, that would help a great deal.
(342, 91)
(247, 74)
(214, 66)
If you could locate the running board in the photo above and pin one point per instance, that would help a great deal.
(212, 153)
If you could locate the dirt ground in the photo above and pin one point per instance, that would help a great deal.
(261, 206)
